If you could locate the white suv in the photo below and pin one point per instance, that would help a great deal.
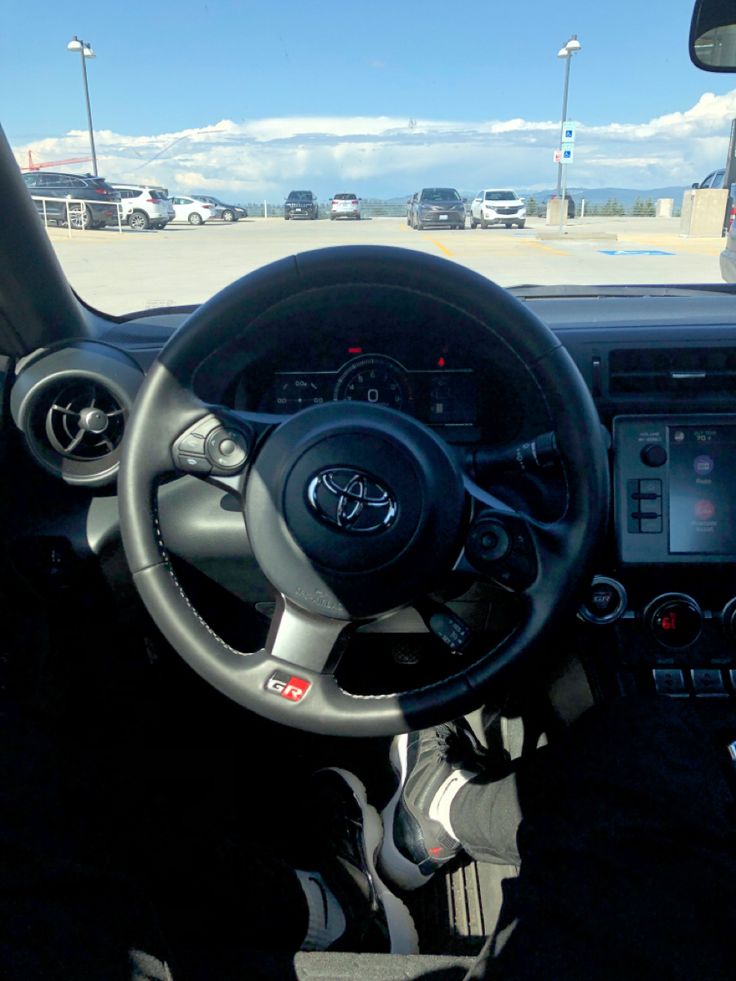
(145, 206)
(497, 206)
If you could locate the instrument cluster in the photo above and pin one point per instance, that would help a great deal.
(439, 395)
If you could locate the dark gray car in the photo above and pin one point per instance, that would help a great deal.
(230, 212)
(102, 207)
(438, 206)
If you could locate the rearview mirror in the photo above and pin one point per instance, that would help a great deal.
(713, 36)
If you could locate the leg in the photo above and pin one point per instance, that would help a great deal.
(627, 865)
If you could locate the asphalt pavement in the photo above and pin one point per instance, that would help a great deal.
(182, 264)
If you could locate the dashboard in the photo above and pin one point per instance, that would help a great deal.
(662, 372)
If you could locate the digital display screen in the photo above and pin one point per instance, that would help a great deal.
(702, 489)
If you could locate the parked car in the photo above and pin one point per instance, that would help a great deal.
(144, 206)
(570, 205)
(187, 208)
(227, 212)
(301, 204)
(437, 206)
(497, 206)
(715, 179)
(345, 206)
(101, 210)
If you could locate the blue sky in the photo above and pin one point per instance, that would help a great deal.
(164, 69)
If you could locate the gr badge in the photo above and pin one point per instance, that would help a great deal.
(288, 686)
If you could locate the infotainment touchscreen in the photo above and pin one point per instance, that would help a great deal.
(702, 489)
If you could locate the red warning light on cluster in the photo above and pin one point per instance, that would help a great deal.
(441, 362)
(355, 350)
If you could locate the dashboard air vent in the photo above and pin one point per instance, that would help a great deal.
(693, 371)
(84, 421)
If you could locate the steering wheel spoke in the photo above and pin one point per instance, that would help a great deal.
(305, 640)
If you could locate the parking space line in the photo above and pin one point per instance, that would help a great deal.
(545, 248)
(441, 247)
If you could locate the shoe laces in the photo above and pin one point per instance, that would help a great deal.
(453, 745)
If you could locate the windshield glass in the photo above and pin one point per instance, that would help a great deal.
(405, 117)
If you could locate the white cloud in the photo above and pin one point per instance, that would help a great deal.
(390, 156)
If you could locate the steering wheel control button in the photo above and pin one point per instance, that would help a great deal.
(670, 681)
(192, 443)
(674, 620)
(227, 450)
(503, 551)
(653, 455)
(708, 683)
(488, 541)
(604, 602)
(193, 464)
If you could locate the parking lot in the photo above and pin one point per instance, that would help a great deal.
(183, 264)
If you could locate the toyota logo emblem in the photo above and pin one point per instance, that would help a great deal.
(351, 500)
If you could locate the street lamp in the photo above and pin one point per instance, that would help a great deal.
(85, 50)
(566, 52)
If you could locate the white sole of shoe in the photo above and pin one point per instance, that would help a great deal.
(392, 864)
(402, 932)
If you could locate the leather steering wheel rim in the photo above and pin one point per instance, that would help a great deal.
(166, 406)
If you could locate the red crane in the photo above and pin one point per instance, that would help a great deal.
(32, 165)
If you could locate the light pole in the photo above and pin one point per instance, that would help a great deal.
(566, 52)
(85, 51)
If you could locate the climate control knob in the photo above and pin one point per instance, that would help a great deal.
(674, 619)
(728, 619)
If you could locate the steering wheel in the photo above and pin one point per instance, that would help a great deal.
(354, 510)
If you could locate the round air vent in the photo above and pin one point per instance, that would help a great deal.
(85, 421)
(72, 405)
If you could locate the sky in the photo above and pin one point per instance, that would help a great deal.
(250, 99)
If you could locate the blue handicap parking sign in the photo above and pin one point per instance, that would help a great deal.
(566, 154)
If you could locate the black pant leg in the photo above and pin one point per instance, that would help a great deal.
(627, 858)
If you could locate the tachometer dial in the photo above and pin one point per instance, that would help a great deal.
(378, 380)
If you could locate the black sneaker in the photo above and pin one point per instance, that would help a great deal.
(427, 762)
(351, 828)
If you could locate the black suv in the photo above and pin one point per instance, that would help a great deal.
(301, 204)
(230, 212)
(102, 198)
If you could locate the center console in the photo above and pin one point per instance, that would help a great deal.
(669, 598)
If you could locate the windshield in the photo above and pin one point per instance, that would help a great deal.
(405, 115)
(440, 194)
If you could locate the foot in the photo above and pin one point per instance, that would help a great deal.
(376, 919)
(430, 765)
